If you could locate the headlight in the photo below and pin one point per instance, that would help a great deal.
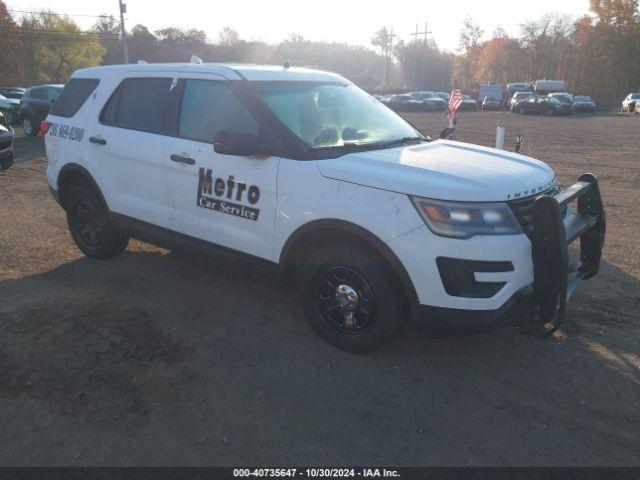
(464, 220)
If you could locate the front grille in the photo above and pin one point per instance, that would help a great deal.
(5, 144)
(523, 208)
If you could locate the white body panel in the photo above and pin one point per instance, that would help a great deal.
(368, 189)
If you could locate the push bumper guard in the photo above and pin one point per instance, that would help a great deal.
(554, 279)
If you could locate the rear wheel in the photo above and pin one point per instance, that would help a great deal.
(521, 110)
(351, 299)
(90, 227)
(30, 126)
(549, 112)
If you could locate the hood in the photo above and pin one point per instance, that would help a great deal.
(444, 170)
(9, 102)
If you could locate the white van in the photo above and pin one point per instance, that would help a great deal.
(300, 170)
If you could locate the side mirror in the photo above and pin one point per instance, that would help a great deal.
(241, 143)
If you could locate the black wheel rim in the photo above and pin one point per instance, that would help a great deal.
(345, 300)
(26, 126)
(87, 224)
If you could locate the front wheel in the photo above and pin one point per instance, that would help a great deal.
(549, 112)
(351, 299)
(10, 117)
(30, 127)
(521, 110)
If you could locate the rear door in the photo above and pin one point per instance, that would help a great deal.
(125, 146)
(222, 199)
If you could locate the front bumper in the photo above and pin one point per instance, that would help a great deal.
(6, 152)
(541, 281)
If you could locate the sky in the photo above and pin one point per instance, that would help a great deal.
(345, 21)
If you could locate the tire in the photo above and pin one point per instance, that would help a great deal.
(351, 299)
(521, 110)
(90, 227)
(30, 126)
(548, 112)
(9, 117)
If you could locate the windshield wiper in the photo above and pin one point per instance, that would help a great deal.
(350, 146)
(400, 141)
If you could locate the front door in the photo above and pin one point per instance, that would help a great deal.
(222, 199)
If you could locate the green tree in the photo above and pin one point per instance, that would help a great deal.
(11, 48)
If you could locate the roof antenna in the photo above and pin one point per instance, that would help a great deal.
(196, 59)
(286, 64)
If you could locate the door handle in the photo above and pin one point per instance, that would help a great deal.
(98, 140)
(180, 159)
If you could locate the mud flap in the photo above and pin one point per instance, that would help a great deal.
(553, 233)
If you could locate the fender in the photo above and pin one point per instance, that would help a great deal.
(73, 168)
(288, 250)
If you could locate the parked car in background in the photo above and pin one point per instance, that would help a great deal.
(468, 103)
(544, 87)
(35, 106)
(490, 103)
(583, 103)
(6, 143)
(512, 88)
(444, 95)
(15, 93)
(493, 90)
(377, 96)
(518, 97)
(403, 102)
(629, 103)
(10, 108)
(430, 101)
(543, 105)
(562, 97)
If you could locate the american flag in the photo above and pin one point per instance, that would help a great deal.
(455, 100)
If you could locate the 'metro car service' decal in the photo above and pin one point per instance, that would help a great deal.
(66, 132)
(220, 195)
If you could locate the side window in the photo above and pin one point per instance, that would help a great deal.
(138, 104)
(208, 107)
(39, 93)
(73, 96)
(53, 94)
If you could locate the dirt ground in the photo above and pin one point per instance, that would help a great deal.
(161, 358)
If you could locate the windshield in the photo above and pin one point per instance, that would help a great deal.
(332, 115)
(466, 97)
(635, 96)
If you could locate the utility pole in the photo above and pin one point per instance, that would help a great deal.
(387, 56)
(426, 45)
(416, 54)
(123, 32)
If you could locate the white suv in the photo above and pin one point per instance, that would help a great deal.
(301, 170)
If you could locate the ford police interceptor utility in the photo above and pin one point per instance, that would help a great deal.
(300, 169)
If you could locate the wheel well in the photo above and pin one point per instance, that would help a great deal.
(310, 237)
(73, 176)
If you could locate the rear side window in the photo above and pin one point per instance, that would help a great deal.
(73, 96)
(39, 93)
(208, 107)
(138, 104)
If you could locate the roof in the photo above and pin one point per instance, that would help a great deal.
(54, 85)
(229, 71)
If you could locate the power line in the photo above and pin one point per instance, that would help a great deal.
(59, 14)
